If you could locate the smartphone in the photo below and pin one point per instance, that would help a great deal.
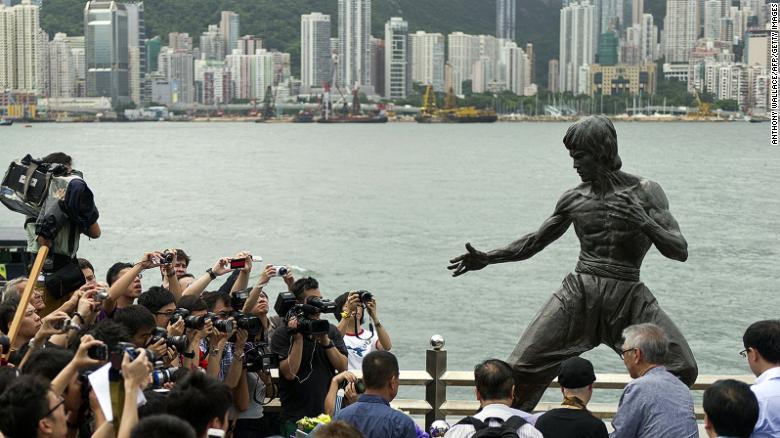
(215, 433)
(237, 263)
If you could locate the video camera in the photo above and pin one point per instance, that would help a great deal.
(287, 306)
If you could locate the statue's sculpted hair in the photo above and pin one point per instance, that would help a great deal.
(597, 136)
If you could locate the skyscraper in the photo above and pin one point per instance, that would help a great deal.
(397, 66)
(249, 44)
(553, 73)
(229, 27)
(212, 46)
(179, 69)
(62, 73)
(153, 46)
(105, 28)
(712, 15)
(22, 50)
(577, 45)
(518, 69)
(354, 43)
(506, 14)
(637, 11)
(136, 42)
(427, 56)
(680, 30)
(462, 52)
(315, 50)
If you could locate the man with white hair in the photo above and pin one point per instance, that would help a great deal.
(656, 403)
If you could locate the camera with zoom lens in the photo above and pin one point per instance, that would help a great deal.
(163, 376)
(360, 386)
(179, 343)
(364, 295)
(223, 325)
(190, 322)
(259, 359)
(287, 306)
(250, 323)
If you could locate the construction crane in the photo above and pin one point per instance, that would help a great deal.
(429, 102)
(703, 108)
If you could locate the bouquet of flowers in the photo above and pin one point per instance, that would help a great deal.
(307, 424)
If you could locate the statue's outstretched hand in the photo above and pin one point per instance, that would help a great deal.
(473, 260)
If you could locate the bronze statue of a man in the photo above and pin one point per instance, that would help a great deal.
(617, 217)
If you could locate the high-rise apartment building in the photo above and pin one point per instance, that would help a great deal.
(377, 58)
(229, 27)
(637, 11)
(22, 49)
(518, 70)
(427, 55)
(462, 52)
(680, 30)
(136, 41)
(553, 72)
(712, 17)
(62, 69)
(398, 82)
(249, 44)
(106, 32)
(212, 46)
(179, 70)
(577, 45)
(354, 43)
(180, 41)
(506, 14)
(315, 50)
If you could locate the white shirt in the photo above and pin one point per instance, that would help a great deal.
(767, 391)
(496, 411)
(358, 348)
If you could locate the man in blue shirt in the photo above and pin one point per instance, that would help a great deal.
(762, 350)
(656, 403)
(372, 414)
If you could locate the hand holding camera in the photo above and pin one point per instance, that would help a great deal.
(82, 358)
(136, 371)
(176, 328)
(222, 266)
(52, 324)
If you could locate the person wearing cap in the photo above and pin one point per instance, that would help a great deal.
(656, 403)
(572, 419)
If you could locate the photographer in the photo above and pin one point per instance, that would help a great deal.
(68, 211)
(353, 306)
(349, 383)
(140, 323)
(220, 268)
(201, 401)
(34, 332)
(196, 354)
(306, 362)
(161, 302)
(256, 384)
(124, 280)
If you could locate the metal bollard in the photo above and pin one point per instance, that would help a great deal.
(436, 391)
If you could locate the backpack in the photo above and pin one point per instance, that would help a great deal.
(507, 429)
(26, 183)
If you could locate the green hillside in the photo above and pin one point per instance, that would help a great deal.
(278, 22)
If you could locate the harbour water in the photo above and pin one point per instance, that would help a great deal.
(384, 208)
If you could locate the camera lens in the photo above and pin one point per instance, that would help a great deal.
(281, 271)
(178, 342)
(195, 322)
(224, 325)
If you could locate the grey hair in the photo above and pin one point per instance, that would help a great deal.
(9, 291)
(650, 339)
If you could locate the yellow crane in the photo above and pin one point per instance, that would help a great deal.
(703, 108)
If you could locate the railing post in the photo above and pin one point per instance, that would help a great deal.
(436, 391)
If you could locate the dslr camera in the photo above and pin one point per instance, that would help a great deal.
(190, 322)
(177, 342)
(287, 306)
(259, 359)
(114, 353)
(364, 295)
(360, 386)
(166, 258)
(163, 376)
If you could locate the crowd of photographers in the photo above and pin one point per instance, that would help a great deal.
(195, 353)
(185, 359)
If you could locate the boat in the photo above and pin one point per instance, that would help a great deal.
(451, 113)
(303, 117)
(6, 122)
(757, 119)
(347, 114)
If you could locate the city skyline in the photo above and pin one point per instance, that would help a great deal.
(702, 42)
